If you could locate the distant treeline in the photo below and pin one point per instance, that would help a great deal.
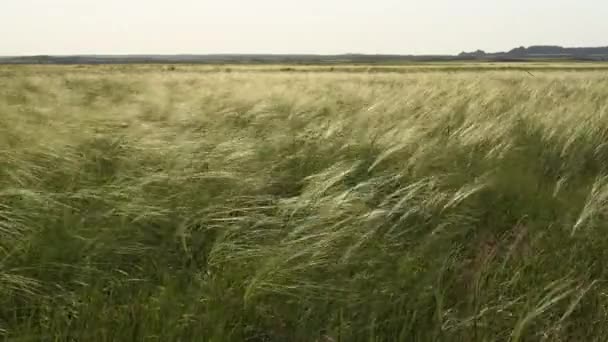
(517, 54)
(543, 52)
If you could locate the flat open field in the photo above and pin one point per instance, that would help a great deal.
(438, 202)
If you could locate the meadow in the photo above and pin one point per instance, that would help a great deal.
(413, 203)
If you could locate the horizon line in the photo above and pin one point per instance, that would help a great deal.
(282, 54)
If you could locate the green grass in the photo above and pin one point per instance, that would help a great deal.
(141, 204)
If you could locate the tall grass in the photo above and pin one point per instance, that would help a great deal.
(139, 204)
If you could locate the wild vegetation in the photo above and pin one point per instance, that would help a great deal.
(146, 203)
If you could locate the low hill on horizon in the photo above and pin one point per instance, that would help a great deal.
(543, 52)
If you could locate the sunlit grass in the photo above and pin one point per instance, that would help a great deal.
(139, 203)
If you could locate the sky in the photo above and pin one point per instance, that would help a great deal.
(64, 27)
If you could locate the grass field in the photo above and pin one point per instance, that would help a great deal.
(142, 203)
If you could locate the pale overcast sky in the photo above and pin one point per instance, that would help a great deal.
(295, 26)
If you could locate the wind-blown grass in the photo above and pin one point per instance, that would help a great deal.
(141, 204)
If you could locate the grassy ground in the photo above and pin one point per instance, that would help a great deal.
(143, 204)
